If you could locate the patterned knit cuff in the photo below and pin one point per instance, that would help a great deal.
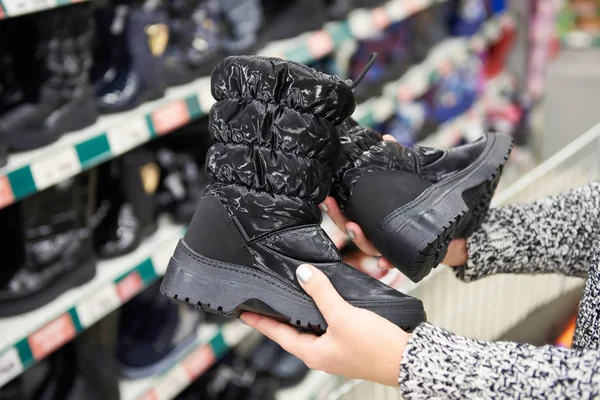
(437, 362)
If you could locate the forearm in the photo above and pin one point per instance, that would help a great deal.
(550, 235)
(439, 364)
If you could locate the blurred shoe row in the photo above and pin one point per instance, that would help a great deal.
(53, 238)
(72, 64)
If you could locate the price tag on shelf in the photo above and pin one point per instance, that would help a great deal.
(320, 44)
(124, 138)
(98, 306)
(172, 384)
(363, 24)
(380, 17)
(396, 10)
(198, 362)
(10, 365)
(56, 168)
(49, 338)
(6, 194)
(129, 286)
(149, 395)
(17, 7)
(170, 117)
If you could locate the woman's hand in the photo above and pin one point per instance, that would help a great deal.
(457, 251)
(358, 344)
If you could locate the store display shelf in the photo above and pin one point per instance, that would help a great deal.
(33, 171)
(471, 124)
(361, 24)
(14, 8)
(30, 337)
(441, 60)
(314, 383)
(211, 344)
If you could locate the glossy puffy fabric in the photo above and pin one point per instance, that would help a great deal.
(363, 150)
(275, 140)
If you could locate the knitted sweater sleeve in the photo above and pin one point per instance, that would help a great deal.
(551, 235)
(438, 364)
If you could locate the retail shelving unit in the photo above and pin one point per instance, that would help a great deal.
(119, 279)
(211, 344)
(30, 172)
(441, 60)
(14, 8)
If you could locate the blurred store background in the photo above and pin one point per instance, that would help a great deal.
(103, 133)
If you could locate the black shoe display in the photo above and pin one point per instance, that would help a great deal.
(154, 332)
(193, 49)
(126, 207)
(287, 369)
(411, 202)
(64, 100)
(11, 92)
(130, 61)
(182, 184)
(49, 246)
(274, 129)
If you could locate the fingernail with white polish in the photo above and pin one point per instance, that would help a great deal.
(324, 207)
(304, 273)
(350, 233)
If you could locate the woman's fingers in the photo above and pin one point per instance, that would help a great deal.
(383, 263)
(389, 138)
(330, 206)
(288, 337)
(318, 286)
(357, 235)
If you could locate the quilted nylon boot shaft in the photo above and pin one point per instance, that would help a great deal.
(275, 140)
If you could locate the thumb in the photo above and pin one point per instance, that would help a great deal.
(317, 285)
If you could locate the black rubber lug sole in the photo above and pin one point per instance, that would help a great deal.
(415, 238)
(230, 290)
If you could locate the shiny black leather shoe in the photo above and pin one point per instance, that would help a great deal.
(193, 49)
(65, 99)
(49, 247)
(126, 207)
(132, 71)
(270, 167)
(411, 202)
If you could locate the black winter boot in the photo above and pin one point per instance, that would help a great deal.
(65, 101)
(411, 202)
(274, 128)
(49, 247)
(127, 209)
(137, 37)
(193, 49)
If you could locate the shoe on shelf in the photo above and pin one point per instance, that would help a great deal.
(274, 126)
(287, 369)
(11, 92)
(424, 197)
(130, 65)
(64, 100)
(49, 246)
(154, 332)
(126, 207)
(193, 48)
(182, 184)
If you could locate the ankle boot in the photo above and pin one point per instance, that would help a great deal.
(411, 202)
(127, 210)
(138, 37)
(193, 49)
(50, 245)
(275, 141)
(11, 93)
(65, 101)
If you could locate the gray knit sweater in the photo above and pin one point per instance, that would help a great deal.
(554, 235)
